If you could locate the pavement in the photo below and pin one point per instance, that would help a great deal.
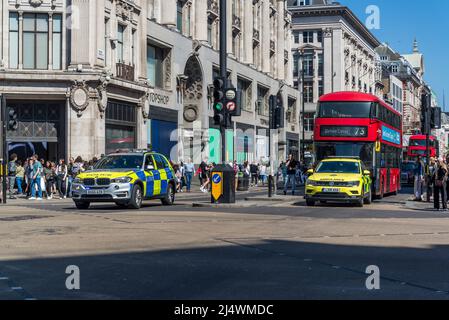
(278, 250)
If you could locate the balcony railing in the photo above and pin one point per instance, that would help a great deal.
(125, 71)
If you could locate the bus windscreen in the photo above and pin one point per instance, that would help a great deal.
(345, 110)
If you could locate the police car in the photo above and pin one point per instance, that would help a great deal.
(126, 179)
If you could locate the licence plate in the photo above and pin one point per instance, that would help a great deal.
(95, 191)
(331, 190)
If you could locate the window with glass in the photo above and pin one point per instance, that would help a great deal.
(120, 126)
(308, 65)
(307, 36)
(309, 121)
(345, 110)
(320, 36)
(155, 62)
(120, 42)
(348, 167)
(243, 86)
(13, 40)
(35, 41)
(57, 41)
(179, 20)
(308, 91)
(365, 151)
(320, 88)
(320, 65)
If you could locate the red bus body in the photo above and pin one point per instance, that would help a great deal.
(375, 137)
(417, 146)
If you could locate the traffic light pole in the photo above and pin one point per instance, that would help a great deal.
(428, 106)
(4, 147)
(223, 68)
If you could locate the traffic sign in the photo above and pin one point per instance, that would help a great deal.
(217, 185)
(230, 106)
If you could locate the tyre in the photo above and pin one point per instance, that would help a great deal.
(360, 203)
(369, 198)
(122, 205)
(136, 198)
(323, 202)
(82, 205)
(169, 198)
(310, 203)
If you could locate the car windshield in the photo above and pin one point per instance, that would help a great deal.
(120, 162)
(338, 167)
(365, 151)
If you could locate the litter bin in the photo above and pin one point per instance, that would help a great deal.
(243, 182)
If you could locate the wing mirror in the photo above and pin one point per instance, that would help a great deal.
(310, 172)
(366, 173)
(150, 167)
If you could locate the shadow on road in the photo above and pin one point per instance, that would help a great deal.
(241, 269)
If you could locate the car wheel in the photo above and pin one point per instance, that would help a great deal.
(82, 205)
(136, 198)
(369, 198)
(310, 203)
(122, 205)
(169, 198)
(360, 203)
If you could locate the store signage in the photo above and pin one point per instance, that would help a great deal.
(157, 98)
(344, 131)
(391, 135)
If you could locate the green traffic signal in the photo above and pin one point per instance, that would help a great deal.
(218, 106)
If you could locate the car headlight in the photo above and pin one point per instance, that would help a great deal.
(354, 183)
(78, 180)
(121, 180)
(312, 183)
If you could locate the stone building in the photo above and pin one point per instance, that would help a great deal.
(88, 77)
(333, 51)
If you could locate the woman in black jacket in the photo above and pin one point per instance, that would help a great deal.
(440, 185)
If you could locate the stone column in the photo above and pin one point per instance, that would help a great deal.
(50, 41)
(80, 33)
(265, 36)
(327, 58)
(229, 16)
(141, 46)
(100, 33)
(3, 36)
(169, 12)
(20, 40)
(200, 27)
(280, 41)
(248, 28)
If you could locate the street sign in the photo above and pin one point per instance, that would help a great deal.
(217, 185)
(230, 106)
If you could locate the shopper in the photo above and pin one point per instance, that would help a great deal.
(189, 169)
(36, 186)
(61, 179)
(419, 179)
(20, 177)
(291, 174)
(440, 186)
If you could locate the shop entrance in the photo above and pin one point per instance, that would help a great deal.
(40, 130)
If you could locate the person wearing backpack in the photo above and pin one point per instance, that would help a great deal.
(12, 173)
(440, 185)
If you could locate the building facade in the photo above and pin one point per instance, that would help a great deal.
(88, 77)
(332, 51)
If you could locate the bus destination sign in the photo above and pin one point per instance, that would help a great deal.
(344, 131)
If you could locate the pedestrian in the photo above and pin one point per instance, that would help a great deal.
(440, 186)
(12, 173)
(28, 176)
(430, 178)
(61, 178)
(20, 176)
(236, 168)
(263, 173)
(49, 179)
(189, 169)
(36, 186)
(419, 179)
(71, 176)
(291, 174)
(178, 176)
(254, 169)
(204, 177)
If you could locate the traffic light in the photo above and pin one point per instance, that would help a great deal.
(425, 105)
(13, 124)
(435, 118)
(277, 114)
(218, 106)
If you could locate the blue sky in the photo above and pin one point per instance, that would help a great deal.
(403, 20)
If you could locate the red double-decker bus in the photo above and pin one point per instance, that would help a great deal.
(361, 125)
(417, 147)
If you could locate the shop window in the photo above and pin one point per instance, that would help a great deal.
(35, 41)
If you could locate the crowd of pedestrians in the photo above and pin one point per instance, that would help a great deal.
(36, 178)
(435, 182)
